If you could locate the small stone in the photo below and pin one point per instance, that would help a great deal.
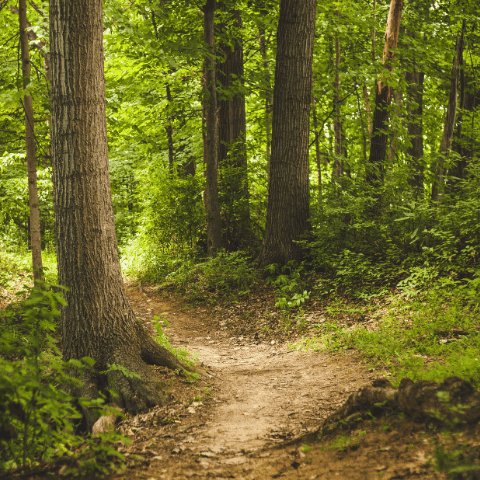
(272, 342)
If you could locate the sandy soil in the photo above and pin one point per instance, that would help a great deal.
(253, 412)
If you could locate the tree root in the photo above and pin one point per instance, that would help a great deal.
(452, 403)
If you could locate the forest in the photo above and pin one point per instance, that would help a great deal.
(238, 239)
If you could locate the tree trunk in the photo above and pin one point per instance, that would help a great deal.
(397, 124)
(337, 123)
(449, 124)
(383, 98)
(35, 236)
(268, 99)
(288, 193)
(98, 321)
(169, 130)
(212, 205)
(364, 136)
(318, 155)
(415, 81)
(232, 155)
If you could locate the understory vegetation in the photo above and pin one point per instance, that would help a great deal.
(383, 261)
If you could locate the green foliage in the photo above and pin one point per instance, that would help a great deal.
(457, 459)
(227, 274)
(38, 417)
(433, 336)
(162, 338)
(288, 283)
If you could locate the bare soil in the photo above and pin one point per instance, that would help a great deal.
(255, 412)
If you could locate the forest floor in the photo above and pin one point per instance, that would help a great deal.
(256, 410)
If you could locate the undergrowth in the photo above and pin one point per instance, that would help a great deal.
(38, 417)
(431, 336)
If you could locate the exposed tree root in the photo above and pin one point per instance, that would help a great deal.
(453, 402)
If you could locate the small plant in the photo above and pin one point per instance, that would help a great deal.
(305, 448)
(162, 338)
(288, 285)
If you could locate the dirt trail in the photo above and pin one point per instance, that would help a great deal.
(259, 395)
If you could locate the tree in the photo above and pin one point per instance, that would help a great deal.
(383, 98)
(35, 236)
(232, 155)
(212, 205)
(98, 321)
(288, 192)
(449, 125)
(415, 81)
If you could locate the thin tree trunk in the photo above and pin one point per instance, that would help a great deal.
(268, 99)
(383, 99)
(318, 155)
(364, 136)
(170, 131)
(98, 321)
(288, 192)
(212, 205)
(35, 236)
(232, 155)
(337, 124)
(369, 112)
(415, 81)
(397, 96)
(449, 124)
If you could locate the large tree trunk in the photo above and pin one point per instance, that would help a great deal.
(288, 193)
(212, 205)
(448, 128)
(35, 236)
(415, 81)
(232, 155)
(98, 321)
(383, 98)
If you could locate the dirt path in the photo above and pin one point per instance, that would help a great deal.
(253, 398)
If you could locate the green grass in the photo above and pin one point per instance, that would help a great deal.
(431, 337)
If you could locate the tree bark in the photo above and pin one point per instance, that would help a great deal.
(268, 100)
(98, 321)
(415, 81)
(212, 205)
(169, 130)
(449, 124)
(35, 235)
(288, 193)
(318, 155)
(232, 155)
(337, 123)
(383, 99)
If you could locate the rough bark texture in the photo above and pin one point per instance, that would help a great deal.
(232, 155)
(415, 81)
(318, 155)
(383, 98)
(453, 402)
(268, 100)
(35, 236)
(449, 125)
(98, 321)
(169, 130)
(288, 193)
(337, 123)
(212, 205)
